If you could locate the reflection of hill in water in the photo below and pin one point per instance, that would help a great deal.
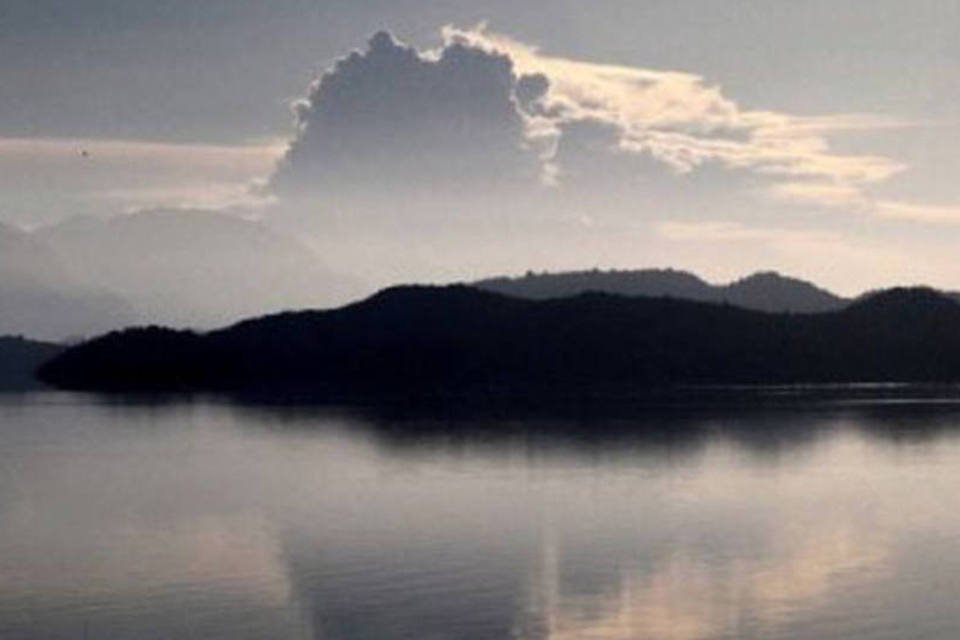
(802, 517)
(762, 422)
(665, 524)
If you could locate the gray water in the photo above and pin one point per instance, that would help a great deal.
(142, 520)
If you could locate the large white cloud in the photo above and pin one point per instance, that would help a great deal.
(394, 117)
(486, 153)
(485, 111)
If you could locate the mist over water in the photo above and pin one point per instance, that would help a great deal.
(815, 519)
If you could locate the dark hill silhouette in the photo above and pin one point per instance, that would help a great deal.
(435, 341)
(764, 291)
(19, 360)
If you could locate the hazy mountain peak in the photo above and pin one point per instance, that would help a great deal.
(42, 297)
(762, 291)
(197, 268)
(771, 291)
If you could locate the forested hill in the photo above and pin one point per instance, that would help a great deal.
(762, 291)
(458, 340)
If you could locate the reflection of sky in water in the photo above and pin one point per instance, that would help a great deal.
(210, 521)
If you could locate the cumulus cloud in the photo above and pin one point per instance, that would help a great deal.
(686, 124)
(392, 116)
(486, 111)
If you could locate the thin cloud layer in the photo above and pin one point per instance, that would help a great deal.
(864, 259)
(683, 122)
(47, 180)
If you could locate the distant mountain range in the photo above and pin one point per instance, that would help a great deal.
(763, 291)
(43, 297)
(202, 269)
(436, 341)
(196, 268)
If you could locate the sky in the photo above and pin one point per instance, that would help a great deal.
(435, 140)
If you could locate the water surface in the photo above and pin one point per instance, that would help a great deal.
(205, 519)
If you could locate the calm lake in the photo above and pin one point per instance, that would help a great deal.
(810, 519)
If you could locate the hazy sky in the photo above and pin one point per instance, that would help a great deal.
(815, 137)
